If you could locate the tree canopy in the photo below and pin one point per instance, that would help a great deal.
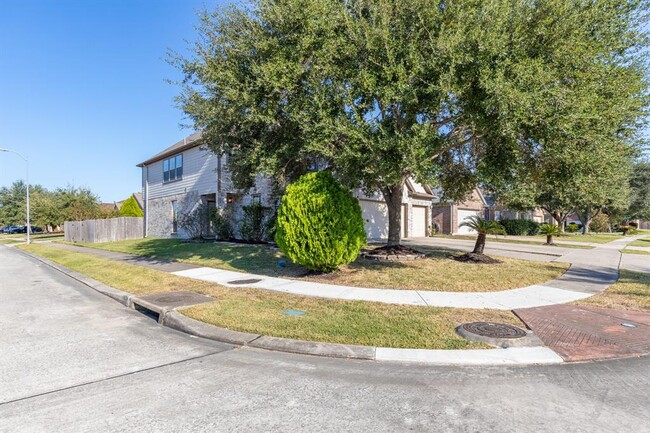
(47, 207)
(454, 92)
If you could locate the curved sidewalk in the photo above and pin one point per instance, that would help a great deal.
(591, 272)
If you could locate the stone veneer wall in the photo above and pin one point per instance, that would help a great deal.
(159, 218)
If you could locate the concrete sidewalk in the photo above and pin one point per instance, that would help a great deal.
(592, 271)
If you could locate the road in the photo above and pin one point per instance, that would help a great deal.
(74, 361)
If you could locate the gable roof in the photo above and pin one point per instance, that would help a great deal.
(188, 142)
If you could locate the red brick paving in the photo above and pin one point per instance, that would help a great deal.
(589, 333)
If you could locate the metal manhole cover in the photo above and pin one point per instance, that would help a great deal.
(494, 330)
(248, 281)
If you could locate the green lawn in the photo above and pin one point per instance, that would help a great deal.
(260, 311)
(629, 251)
(533, 240)
(645, 242)
(631, 292)
(437, 272)
(33, 236)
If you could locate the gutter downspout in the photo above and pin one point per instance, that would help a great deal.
(146, 200)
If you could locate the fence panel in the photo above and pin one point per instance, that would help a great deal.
(104, 230)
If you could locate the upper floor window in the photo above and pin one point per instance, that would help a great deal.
(173, 168)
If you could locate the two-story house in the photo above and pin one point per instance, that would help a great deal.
(181, 177)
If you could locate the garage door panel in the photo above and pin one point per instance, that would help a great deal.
(419, 221)
(375, 219)
(462, 216)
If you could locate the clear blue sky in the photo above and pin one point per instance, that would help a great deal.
(83, 91)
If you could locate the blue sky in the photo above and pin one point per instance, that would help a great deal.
(83, 91)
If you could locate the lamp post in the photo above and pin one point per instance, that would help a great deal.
(29, 226)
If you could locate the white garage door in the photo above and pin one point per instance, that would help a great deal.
(462, 215)
(419, 221)
(375, 219)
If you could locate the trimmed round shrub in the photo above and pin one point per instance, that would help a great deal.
(319, 223)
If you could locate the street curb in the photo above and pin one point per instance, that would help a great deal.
(175, 320)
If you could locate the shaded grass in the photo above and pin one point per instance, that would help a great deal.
(259, 311)
(437, 272)
(642, 253)
(630, 292)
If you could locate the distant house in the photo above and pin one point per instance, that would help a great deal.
(138, 199)
(447, 216)
(497, 212)
(185, 175)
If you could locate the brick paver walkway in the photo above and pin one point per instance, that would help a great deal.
(579, 333)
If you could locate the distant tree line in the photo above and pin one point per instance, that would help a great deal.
(49, 208)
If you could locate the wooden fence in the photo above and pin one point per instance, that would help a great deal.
(106, 230)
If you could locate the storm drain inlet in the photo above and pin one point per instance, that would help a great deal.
(147, 312)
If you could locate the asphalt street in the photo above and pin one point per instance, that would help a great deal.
(72, 360)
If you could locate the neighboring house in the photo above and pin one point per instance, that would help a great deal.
(498, 212)
(138, 199)
(180, 178)
(448, 216)
(185, 175)
(416, 211)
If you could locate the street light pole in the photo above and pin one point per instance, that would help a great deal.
(29, 226)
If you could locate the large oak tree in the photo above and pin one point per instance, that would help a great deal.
(449, 91)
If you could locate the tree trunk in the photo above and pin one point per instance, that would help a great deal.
(480, 244)
(393, 197)
(586, 215)
(549, 239)
(559, 217)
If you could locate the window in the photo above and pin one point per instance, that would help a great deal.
(173, 168)
(497, 215)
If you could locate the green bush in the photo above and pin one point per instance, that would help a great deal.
(253, 225)
(600, 223)
(319, 223)
(222, 226)
(520, 227)
(130, 208)
(572, 228)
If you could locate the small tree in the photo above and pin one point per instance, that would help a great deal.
(549, 230)
(195, 222)
(131, 208)
(483, 228)
(253, 226)
(222, 226)
(319, 223)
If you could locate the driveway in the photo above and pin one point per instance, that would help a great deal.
(74, 361)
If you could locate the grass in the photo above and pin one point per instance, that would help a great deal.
(259, 311)
(10, 241)
(533, 240)
(645, 242)
(437, 272)
(23, 236)
(639, 252)
(631, 292)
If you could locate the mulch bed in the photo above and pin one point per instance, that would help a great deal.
(476, 258)
(393, 253)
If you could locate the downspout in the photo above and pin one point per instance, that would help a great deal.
(219, 182)
(146, 201)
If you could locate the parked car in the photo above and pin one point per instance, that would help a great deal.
(9, 229)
